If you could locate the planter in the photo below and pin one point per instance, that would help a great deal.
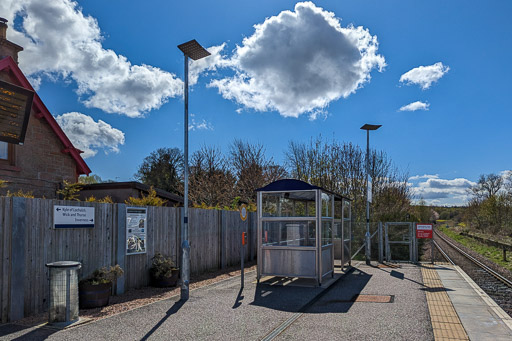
(94, 295)
(166, 282)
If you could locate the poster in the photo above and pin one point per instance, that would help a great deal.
(136, 227)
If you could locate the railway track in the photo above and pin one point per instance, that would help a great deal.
(498, 287)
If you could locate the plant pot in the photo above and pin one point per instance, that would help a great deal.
(166, 282)
(94, 295)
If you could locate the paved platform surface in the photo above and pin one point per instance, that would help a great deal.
(481, 317)
(223, 312)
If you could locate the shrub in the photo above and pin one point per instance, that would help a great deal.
(162, 266)
(70, 190)
(147, 200)
(105, 200)
(104, 275)
(21, 194)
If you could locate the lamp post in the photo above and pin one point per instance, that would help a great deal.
(368, 127)
(192, 50)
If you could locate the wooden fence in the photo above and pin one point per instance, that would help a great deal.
(28, 241)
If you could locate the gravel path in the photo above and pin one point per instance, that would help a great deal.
(332, 317)
(137, 298)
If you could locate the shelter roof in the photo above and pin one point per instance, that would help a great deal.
(286, 185)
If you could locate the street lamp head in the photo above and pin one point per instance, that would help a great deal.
(193, 50)
(371, 126)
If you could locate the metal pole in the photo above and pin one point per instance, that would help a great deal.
(185, 246)
(432, 250)
(242, 260)
(381, 246)
(368, 250)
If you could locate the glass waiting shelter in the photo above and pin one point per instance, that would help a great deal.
(302, 230)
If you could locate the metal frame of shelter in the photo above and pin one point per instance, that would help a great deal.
(302, 230)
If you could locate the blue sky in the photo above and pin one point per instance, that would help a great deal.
(111, 73)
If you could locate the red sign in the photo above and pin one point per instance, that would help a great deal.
(423, 231)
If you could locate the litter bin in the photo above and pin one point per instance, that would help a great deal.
(63, 302)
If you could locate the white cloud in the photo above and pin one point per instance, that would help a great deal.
(424, 76)
(424, 176)
(299, 61)
(88, 135)
(209, 64)
(418, 105)
(60, 41)
(435, 190)
(199, 124)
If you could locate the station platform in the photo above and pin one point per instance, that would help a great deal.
(376, 302)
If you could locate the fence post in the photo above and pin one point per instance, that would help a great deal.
(121, 246)
(381, 246)
(17, 298)
(223, 240)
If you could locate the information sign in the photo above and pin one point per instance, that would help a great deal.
(70, 217)
(243, 212)
(136, 227)
(15, 106)
(423, 231)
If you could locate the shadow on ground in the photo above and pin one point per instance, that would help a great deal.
(299, 299)
(17, 332)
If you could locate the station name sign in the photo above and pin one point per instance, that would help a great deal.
(15, 106)
(423, 231)
(71, 217)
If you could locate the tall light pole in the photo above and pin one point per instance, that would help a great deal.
(192, 50)
(368, 127)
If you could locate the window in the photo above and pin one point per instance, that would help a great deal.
(6, 153)
(4, 150)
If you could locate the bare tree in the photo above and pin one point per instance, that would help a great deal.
(252, 169)
(341, 168)
(211, 181)
(488, 186)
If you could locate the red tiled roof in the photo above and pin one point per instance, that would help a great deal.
(41, 111)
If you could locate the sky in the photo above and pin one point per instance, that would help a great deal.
(435, 74)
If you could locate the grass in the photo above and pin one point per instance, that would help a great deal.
(490, 252)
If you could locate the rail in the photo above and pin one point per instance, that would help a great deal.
(474, 260)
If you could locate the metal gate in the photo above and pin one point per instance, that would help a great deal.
(399, 242)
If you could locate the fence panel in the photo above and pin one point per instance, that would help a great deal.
(90, 246)
(5, 256)
(213, 234)
(162, 228)
(204, 240)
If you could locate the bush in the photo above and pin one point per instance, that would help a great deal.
(70, 190)
(21, 194)
(105, 200)
(162, 266)
(104, 275)
(147, 200)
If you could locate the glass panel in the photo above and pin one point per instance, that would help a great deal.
(337, 230)
(292, 233)
(4, 150)
(326, 232)
(346, 209)
(338, 207)
(327, 205)
(288, 204)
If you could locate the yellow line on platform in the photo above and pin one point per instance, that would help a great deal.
(445, 321)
